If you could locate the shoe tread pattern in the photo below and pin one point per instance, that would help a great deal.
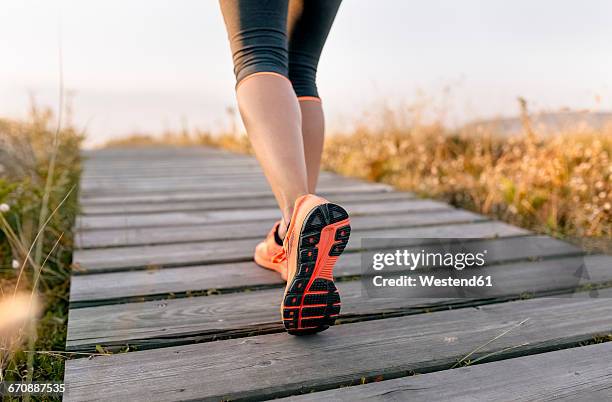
(312, 304)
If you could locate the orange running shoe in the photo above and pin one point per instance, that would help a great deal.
(269, 253)
(317, 235)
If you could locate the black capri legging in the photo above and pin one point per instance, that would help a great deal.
(282, 37)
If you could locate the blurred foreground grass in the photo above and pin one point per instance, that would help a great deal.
(559, 183)
(39, 171)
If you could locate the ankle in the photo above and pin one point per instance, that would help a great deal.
(287, 213)
(282, 229)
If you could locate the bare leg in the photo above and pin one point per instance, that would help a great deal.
(313, 132)
(272, 117)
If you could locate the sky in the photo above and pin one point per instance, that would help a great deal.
(151, 65)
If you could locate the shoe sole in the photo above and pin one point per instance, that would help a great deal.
(311, 302)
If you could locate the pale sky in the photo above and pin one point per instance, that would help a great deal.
(147, 65)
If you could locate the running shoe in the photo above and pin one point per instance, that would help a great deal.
(317, 235)
(269, 253)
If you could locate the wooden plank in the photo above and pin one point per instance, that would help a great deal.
(202, 278)
(261, 194)
(141, 164)
(247, 173)
(269, 214)
(145, 187)
(113, 152)
(144, 157)
(126, 165)
(232, 203)
(165, 322)
(108, 287)
(170, 172)
(188, 180)
(255, 229)
(163, 195)
(275, 365)
(576, 374)
(121, 258)
(150, 169)
(167, 152)
(219, 186)
(154, 172)
(142, 161)
(179, 183)
(149, 156)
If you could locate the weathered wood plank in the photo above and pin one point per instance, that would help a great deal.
(119, 258)
(159, 154)
(99, 159)
(169, 171)
(176, 183)
(146, 169)
(155, 150)
(140, 170)
(135, 163)
(576, 374)
(157, 323)
(234, 175)
(219, 186)
(270, 214)
(279, 365)
(144, 157)
(144, 187)
(232, 203)
(160, 174)
(100, 287)
(163, 196)
(251, 179)
(255, 229)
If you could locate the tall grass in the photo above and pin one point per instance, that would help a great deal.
(39, 170)
(558, 184)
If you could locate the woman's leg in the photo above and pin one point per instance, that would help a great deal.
(266, 99)
(313, 133)
(308, 25)
(271, 115)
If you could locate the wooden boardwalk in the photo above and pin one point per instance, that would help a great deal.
(164, 271)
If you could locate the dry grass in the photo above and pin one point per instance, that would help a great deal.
(39, 167)
(559, 183)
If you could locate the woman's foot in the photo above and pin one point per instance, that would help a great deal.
(269, 253)
(317, 235)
